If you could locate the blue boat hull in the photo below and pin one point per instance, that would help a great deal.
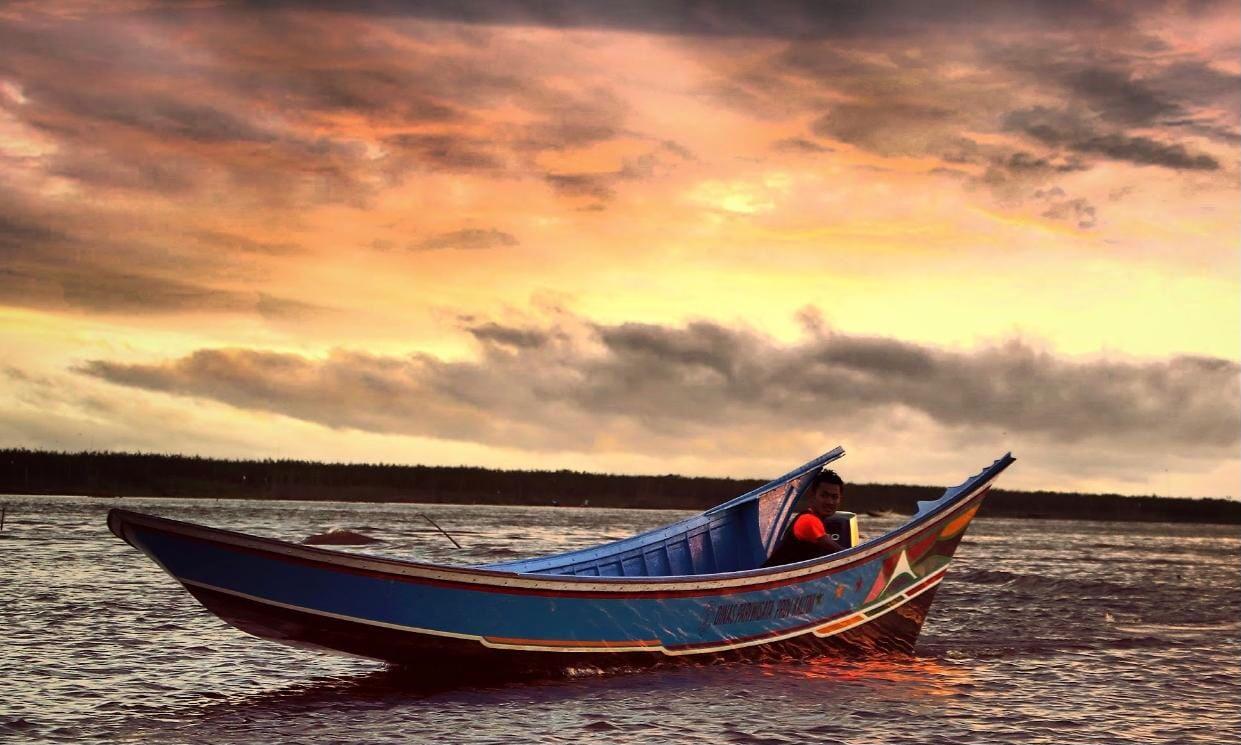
(870, 598)
(892, 633)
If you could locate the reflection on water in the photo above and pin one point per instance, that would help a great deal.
(914, 677)
(1043, 630)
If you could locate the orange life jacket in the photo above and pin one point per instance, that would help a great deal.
(798, 544)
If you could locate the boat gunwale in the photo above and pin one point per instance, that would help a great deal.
(491, 580)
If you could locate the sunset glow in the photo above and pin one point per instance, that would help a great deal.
(678, 239)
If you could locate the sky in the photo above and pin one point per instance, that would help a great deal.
(705, 238)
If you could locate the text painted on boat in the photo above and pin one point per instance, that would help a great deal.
(762, 610)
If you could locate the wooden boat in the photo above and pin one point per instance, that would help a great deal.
(695, 589)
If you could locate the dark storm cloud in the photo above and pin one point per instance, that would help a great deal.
(638, 385)
(469, 238)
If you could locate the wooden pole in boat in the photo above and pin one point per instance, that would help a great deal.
(437, 527)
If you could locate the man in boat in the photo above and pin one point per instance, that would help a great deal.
(806, 537)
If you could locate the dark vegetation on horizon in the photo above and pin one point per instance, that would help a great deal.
(149, 475)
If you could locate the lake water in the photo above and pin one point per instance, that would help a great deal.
(1043, 632)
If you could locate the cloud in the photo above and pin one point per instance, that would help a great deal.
(1062, 128)
(889, 127)
(469, 238)
(241, 244)
(799, 146)
(58, 411)
(1144, 151)
(81, 260)
(1108, 84)
(1025, 163)
(159, 115)
(959, 95)
(260, 107)
(97, 289)
(286, 106)
(602, 185)
(645, 388)
(165, 118)
(780, 19)
(595, 185)
(1060, 207)
(447, 152)
(1118, 97)
(491, 333)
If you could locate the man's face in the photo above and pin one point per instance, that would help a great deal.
(825, 499)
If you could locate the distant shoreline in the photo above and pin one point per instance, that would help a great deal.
(108, 474)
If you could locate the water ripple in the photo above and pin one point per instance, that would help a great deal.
(1043, 632)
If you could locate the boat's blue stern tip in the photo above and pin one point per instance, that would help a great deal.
(970, 485)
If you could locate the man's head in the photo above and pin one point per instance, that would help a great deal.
(824, 495)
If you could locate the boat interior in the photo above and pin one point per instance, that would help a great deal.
(732, 537)
(735, 536)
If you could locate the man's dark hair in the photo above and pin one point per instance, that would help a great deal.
(827, 476)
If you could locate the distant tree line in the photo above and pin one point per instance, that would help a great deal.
(149, 475)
